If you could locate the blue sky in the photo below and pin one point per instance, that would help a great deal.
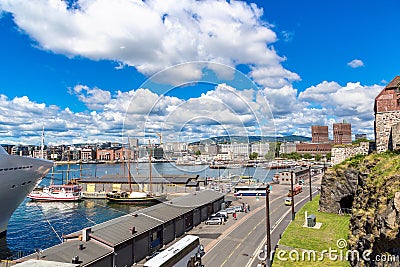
(109, 68)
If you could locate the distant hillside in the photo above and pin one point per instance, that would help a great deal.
(250, 139)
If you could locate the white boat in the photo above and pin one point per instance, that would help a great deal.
(57, 193)
(18, 176)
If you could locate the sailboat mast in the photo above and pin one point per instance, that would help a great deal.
(68, 166)
(151, 186)
(42, 145)
(129, 166)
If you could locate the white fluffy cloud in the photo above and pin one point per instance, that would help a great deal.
(155, 34)
(356, 63)
(221, 111)
(93, 98)
(353, 103)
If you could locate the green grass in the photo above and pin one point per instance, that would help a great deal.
(334, 227)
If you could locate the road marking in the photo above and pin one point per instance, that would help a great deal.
(253, 257)
(215, 242)
(250, 232)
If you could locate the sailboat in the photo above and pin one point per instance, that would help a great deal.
(135, 197)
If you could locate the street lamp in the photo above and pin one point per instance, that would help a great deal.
(309, 178)
(267, 191)
(292, 193)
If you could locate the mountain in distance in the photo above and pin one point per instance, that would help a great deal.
(251, 139)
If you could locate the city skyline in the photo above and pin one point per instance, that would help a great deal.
(92, 71)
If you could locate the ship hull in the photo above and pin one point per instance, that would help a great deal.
(138, 201)
(18, 177)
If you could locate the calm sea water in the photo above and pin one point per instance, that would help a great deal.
(40, 225)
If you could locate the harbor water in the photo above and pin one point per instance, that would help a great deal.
(37, 225)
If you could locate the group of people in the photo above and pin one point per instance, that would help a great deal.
(246, 208)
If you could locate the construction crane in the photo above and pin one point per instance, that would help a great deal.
(160, 136)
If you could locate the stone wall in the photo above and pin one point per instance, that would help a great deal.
(340, 153)
(338, 188)
(384, 121)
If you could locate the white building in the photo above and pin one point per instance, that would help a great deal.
(287, 148)
(237, 149)
(260, 148)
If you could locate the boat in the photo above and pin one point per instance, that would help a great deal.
(136, 197)
(65, 192)
(218, 166)
(18, 177)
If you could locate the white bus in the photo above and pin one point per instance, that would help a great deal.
(187, 252)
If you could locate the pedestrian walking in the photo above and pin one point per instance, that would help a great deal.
(248, 207)
(234, 216)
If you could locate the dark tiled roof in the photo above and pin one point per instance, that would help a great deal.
(395, 83)
(197, 199)
(118, 230)
(164, 211)
(65, 251)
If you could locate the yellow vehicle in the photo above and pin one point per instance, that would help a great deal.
(288, 201)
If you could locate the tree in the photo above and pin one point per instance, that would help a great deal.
(198, 153)
(328, 156)
(318, 157)
(253, 156)
(307, 156)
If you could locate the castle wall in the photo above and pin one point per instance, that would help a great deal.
(340, 153)
(384, 133)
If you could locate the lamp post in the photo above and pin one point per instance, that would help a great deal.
(309, 179)
(292, 193)
(267, 191)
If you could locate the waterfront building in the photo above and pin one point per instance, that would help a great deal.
(287, 148)
(21, 150)
(211, 149)
(319, 134)
(387, 117)
(260, 148)
(37, 153)
(313, 148)
(238, 150)
(88, 154)
(105, 154)
(341, 133)
(299, 173)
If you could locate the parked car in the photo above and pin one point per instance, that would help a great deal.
(214, 221)
(224, 212)
(238, 208)
(230, 210)
(218, 215)
(288, 201)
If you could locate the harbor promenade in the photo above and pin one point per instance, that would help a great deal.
(238, 242)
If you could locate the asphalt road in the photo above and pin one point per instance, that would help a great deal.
(238, 243)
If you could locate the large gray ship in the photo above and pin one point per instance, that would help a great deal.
(18, 177)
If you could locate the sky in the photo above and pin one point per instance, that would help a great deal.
(98, 70)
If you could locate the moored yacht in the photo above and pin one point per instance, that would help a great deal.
(18, 176)
(66, 192)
